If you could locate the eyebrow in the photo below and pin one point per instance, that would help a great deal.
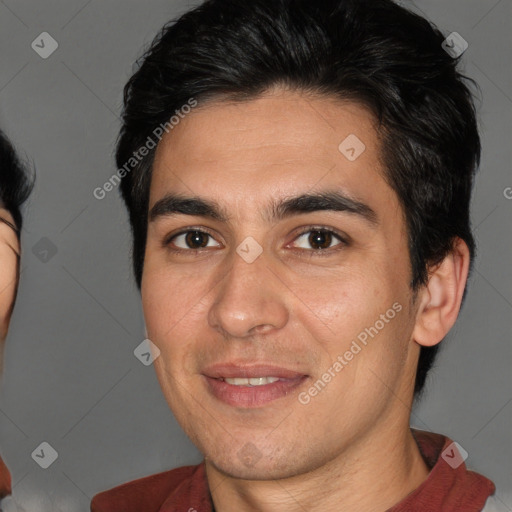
(175, 204)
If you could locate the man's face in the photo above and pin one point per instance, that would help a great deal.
(9, 257)
(280, 296)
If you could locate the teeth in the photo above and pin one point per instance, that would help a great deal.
(253, 381)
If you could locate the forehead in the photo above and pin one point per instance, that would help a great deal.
(281, 143)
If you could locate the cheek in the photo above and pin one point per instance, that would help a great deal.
(8, 275)
(159, 306)
(156, 304)
(360, 316)
(173, 310)
(343, 303)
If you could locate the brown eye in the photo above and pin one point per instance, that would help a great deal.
(318, 240)
(192, 240)
(195, 239)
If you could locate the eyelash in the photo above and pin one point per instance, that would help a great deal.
(343, 240)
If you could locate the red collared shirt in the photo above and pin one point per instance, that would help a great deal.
(5, 480)
(185, 489)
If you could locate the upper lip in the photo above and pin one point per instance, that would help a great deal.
(249, 370)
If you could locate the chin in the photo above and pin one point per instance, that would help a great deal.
(237, 469)
(247, 463)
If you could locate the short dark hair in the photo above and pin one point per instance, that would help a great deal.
(15, 184)
(371, 51)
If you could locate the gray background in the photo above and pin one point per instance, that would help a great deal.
(71, 378)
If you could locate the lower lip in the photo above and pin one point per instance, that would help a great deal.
(252, 396)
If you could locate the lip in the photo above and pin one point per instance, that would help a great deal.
(251, 396)
(247, 370)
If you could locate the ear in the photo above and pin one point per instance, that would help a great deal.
(440, 299)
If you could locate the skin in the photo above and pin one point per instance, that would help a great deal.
(351, 445)
(9, 258)
(9, 263)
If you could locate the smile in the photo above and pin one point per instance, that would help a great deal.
(253, 381)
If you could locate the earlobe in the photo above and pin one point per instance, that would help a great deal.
(441, 298)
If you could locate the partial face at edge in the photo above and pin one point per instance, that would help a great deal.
(9, 261)
(321, 280)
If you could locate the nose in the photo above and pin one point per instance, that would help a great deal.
(249, 300)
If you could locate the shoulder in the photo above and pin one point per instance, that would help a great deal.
(146, 493)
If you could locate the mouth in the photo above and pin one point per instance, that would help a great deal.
(251, 386)
(253, 381)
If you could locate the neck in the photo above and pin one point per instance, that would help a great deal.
(373, 477)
